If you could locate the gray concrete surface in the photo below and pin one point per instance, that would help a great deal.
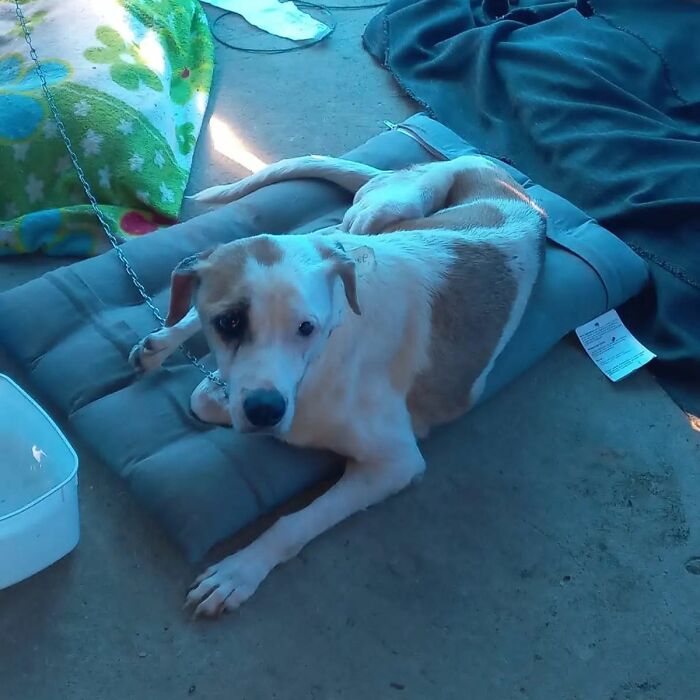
(542, 557)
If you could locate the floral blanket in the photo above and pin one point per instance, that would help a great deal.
(131, 81)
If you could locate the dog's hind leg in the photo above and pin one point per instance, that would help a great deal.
(385, 202)
(155, 348)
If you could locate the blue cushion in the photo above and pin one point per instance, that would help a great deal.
(71, 332)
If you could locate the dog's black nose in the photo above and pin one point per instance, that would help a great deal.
(264, 408)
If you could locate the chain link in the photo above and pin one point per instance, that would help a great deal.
(93, 202)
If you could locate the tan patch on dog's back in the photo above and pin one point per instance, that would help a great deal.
(483, 183)
(469, 313)
(477, 215)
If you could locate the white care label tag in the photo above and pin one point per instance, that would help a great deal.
(364, 259)
(612, 347)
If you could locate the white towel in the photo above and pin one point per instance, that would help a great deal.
(282, 19)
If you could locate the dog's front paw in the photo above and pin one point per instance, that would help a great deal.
(149, 353)
(225, 586)
(209, 402)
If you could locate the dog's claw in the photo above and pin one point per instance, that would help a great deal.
(199, 579)
(224, 586)
(135, 358)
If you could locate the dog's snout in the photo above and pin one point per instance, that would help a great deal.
(264, 408)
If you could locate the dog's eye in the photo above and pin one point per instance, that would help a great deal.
(230, 325)
(306, 329)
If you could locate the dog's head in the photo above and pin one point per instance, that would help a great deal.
(268, 306)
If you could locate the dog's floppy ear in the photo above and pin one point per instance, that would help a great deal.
(182, 285)
(343, 265)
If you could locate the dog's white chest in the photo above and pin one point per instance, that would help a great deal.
(333, 411)
(322, 421)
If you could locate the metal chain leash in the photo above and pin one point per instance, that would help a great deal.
(93, 202)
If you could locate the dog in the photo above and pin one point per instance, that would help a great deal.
(358, 338)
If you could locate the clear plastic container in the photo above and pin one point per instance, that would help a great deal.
(39, 517)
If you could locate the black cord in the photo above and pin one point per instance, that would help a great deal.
(331, 23)
(371, 6)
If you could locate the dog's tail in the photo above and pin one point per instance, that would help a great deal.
(345, 173)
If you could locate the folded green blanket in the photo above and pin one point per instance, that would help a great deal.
(131, 81)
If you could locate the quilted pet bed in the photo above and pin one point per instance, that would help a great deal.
(72, 330)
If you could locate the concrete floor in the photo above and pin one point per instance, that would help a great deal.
(548, 564)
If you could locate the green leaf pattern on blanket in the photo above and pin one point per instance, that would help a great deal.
(192, 65)
(190, 75)
(32, 19)
(128, 68)
(185, 137)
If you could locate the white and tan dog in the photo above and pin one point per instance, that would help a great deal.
(354, 344)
